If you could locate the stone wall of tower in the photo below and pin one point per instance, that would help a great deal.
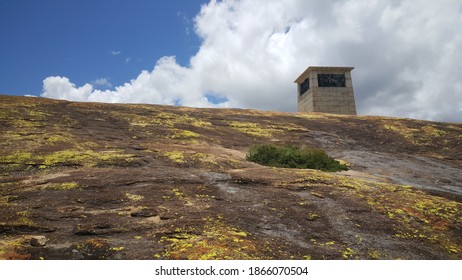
(335, 99)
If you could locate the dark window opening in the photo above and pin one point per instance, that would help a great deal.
(331, 80)
(305, 86)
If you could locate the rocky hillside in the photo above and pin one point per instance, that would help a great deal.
(115, 181)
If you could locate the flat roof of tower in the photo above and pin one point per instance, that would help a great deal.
(305, 73)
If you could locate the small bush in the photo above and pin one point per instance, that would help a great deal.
(294, 157)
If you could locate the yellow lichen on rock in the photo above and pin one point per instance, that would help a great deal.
(61, 186)
(253, 129)
(81, 157)
(134, 197)
(217, 241)
(418, 214)
(175, 156)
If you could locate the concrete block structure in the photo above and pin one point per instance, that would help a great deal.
(326, 90)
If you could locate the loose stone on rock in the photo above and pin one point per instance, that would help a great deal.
(138, 148)
(144, 213)
(38, 241)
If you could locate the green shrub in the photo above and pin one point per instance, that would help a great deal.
(294, 157)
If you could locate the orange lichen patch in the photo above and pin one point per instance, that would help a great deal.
(94, 248)
(13, 248)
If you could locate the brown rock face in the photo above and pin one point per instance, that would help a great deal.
(117, 181)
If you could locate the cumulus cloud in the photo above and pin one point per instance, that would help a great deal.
(406, 55)
(62, 88)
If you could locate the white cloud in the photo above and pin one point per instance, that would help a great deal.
(104, 82)
(406, 53)
(186, 22)
(62, 88)
(114, 53)
(128, 59)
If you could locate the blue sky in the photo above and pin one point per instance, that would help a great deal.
(235, 53)
(88, 40)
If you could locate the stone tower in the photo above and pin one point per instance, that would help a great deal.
(326, 90)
